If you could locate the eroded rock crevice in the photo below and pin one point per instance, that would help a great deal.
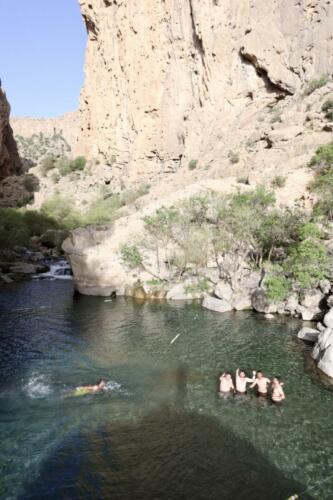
(271, 86)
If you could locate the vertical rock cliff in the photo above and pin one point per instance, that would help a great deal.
(10, 163)
(167, 81)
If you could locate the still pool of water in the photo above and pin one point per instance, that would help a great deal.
(160, 431)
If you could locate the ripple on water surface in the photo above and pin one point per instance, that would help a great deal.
(160, 431)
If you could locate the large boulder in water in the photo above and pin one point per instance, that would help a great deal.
(260, 302)
(217, 305)
(323, 352)
(308, 334)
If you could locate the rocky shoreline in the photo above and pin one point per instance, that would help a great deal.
(22, 263)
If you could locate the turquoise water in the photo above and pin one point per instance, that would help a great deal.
(160, 431)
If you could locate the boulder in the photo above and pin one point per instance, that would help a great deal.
(241, 300)
(328, 319)
(217, 305)
(325, 286)
(178, 292)
(312, 299)
(223, 291)
(323, 352)
(305, 313)
(320, 326)
(308, 334)
(260, 302)
(291, 304)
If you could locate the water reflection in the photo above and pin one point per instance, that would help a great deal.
(167, 455)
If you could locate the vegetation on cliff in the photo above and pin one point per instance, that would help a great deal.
(232, 233)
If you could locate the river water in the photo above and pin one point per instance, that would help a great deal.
(160, 431)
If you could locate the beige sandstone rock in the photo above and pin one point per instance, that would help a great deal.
(167, 82)
(217, 305)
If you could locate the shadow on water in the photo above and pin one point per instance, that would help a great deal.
(169, 454)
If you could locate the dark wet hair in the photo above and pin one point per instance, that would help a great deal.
(277, 377)
(101, 380)
(228, 373)
(259, 371)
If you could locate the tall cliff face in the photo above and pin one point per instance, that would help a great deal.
(168, 81)
(10, 163)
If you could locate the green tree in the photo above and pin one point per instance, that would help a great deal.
(308, 263)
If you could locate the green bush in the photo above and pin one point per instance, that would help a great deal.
(309, 230)
(327, 108)
(48, 163)
(308, 263)
(322, 184)
(323, 157)
(103, 210)
(66, 165)
(315, 84)
(78, 163)
(277, 288)
(279, 181)
(62, 210)
(193, 164)
(31, 183)
(131, 256)
(17, 227)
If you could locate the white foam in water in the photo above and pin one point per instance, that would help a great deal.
(111, 385)
(37, 387)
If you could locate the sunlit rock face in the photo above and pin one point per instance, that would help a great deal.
(10, 163)
(167, 82)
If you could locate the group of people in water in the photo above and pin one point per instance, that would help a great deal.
(264, 386)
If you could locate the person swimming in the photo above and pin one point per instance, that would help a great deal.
(262, 384)
(226, 383)
(82, 390)
(277, 394)
(242, 380)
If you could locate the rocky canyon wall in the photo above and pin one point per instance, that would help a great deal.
(167, 81)
(10, 163)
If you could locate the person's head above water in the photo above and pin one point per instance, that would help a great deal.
(259, 374)
(227, 375)
(242, 373)
(276, 380)
(101, 383)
